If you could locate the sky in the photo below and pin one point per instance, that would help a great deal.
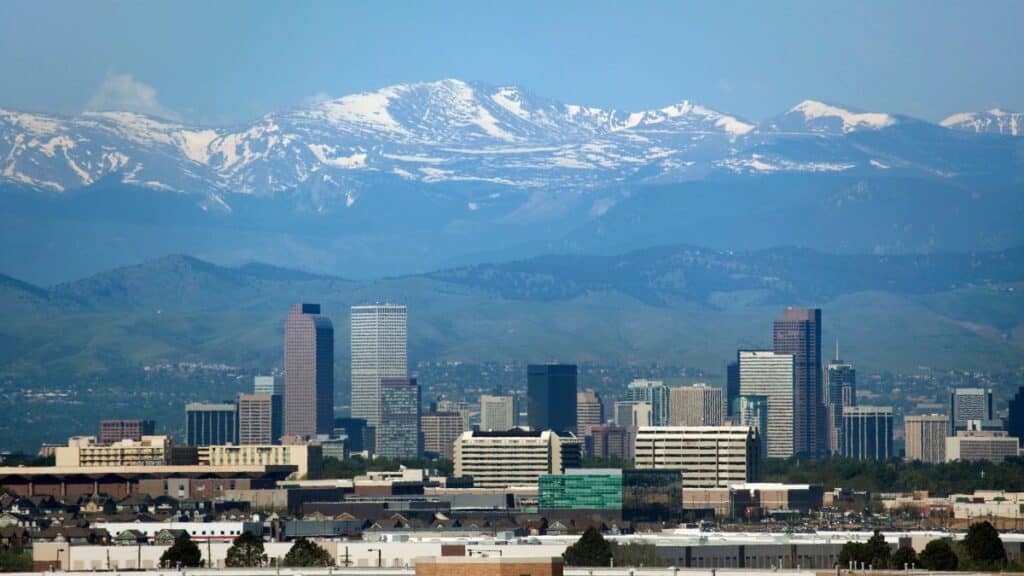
(229, 62)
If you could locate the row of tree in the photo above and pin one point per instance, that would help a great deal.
(246, 552)
(981, 549)
(898, 475)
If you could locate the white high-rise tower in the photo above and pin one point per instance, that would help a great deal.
(379, 350)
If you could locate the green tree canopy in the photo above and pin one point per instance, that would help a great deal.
(590, 550)
(905, 556)
(938, 555)
(246, 551)
(307, 553)
(184, 552)
(14, 560)
(984, 547)
(875, 552)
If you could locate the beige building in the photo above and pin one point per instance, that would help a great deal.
(697, 405)
(988, 504)
(85, 451)
(497, 413)
(513, 458)
(255, 419)
(706, 456)
(974, 445)
(307, 458)
(589, 411)
(440, 431)
(926, 437)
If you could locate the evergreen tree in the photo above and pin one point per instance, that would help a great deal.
(905, 556)
(984, 547)
(855, 552)
(304, 553)
(184, 552)
(14, 560)
(879, 553)
(246, 551)
(590, 550)
(938, 555)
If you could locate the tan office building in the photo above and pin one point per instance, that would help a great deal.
(705, 456)
(697, 405)
(926, 437)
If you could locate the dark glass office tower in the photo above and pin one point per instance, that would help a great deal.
(732, 387)
(308, 372)
(798, 333)
(551, 397)
(398, 434)
(1015, 416)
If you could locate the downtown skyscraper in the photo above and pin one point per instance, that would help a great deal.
(798, 334)
(308, 372)
(551, 397)
(379, 350)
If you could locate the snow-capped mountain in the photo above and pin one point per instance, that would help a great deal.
(444, 131)
(994, 121)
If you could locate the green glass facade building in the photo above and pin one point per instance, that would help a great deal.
(582, 489)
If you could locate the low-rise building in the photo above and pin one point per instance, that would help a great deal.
(974, 445)
(86, 451)
(307, 458)
(514, 457)
(705, 456)
(988, 504)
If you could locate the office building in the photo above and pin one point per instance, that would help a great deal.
(705, 456)
(867, 432)
(273, 387)
(87, 452)
(497, 413)
(633, 413)
(360, 436)
(752, 412)
(116, 430)
(551, 397)
(697, 405)
(974, 445)
(440, 431)
(589, 411)
(596, 489)
(769, 374)
(732, 387)
(379, 350)
(1015, 416)
(654, 392)
(398, 433)
(840, 391)
(460, 407)
(306, 458)
(268, 385)
(308, 372)
(207, 424)
(798, 334)
(513, 457)
(256, 419)
(966, 404)
(610, 442)
(926, 438)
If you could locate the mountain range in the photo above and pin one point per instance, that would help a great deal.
(416, 177)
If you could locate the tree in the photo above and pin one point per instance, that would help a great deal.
(184, 552)
(855, 552)
(307, 553)
(905, 556)
(938, 555)
(14, 560)
(636, 554)
(590, 550)
(879, 553)
(246, 551)
(984, 547)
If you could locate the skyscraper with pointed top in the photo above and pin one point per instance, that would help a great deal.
(840, 388)
(798, 333)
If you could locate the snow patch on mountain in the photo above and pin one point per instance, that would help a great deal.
(851, 121)
(993, 121)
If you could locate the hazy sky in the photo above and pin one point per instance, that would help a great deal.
(228, 62)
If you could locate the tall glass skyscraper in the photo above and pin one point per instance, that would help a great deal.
(798, 333)
(765, 373)
(308, 372)
(551, 397)
(398, 433)
(211, 424)
(379, 350)
(840, 390)
(655, 392)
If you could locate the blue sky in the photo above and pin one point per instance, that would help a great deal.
(227, 61)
